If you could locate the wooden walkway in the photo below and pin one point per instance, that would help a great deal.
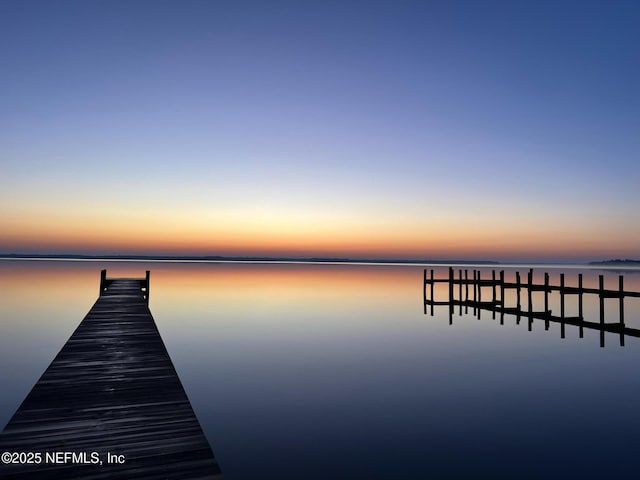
(111, 397)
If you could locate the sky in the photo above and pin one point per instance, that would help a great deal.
(503, 130)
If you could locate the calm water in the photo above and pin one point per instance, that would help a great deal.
(321, 371)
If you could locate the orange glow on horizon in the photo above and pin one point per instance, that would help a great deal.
(148, 233)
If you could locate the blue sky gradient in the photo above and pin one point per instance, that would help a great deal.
(433, 129)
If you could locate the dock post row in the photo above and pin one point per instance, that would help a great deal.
(497, 305)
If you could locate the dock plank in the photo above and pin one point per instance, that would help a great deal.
(111, 389)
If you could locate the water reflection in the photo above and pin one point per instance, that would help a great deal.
(325, 371)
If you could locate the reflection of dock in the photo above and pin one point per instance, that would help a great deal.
(110, 405)
(496, 304)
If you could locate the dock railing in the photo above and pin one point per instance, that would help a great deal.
(144, 283)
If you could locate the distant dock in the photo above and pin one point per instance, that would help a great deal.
(474, 283)
(110, 405)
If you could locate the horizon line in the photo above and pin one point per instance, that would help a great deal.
(289, 259)
(236, 258)
(309, 260)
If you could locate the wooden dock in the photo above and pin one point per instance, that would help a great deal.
(110, 405)
(496, 304)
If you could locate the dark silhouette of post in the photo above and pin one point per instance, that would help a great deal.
(501, 297)
(562, 305)
(518, 304)
(601, 285)
(479, 295)
(460, 289)
(424, 291)
(529, 289)
(431, 288)
(147, 277)
(474, 291)
(546, 299)
(529, 297)
(621, 287)
(493, 288)
(580, 293)
(103, 280)
(450, 295)
(562, 294)
(466, 290)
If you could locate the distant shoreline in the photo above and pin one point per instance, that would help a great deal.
(297, 260)
(618, 262)
(253, 259)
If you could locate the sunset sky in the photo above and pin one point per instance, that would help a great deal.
(505, 130)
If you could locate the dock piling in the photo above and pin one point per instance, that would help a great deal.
(546, 298)
(580, 293)
(147, 285)
(451, 276)
(424, 291)
(103, 280)
(530, 290)
(501, 297)
(621, 307)
(493, 288)
(562, 294)
(431, 288)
